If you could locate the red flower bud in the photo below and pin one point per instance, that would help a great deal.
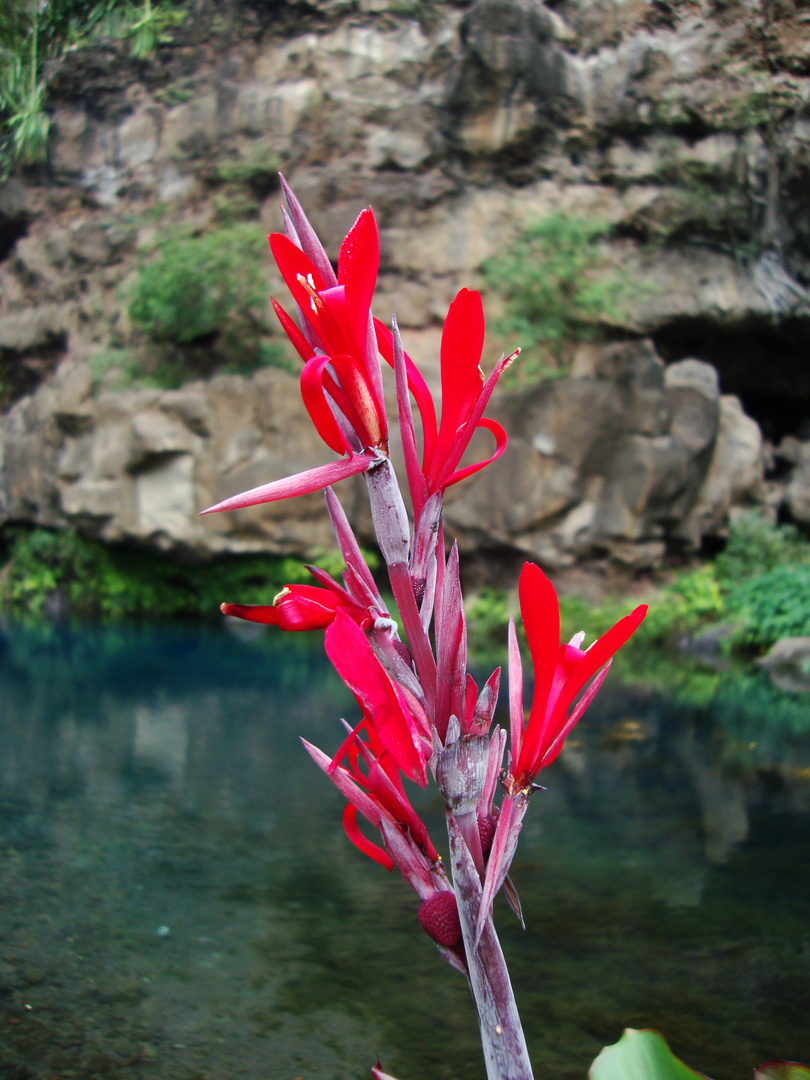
(438, 917)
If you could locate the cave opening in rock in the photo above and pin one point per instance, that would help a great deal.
(763, 362)
(11, 229)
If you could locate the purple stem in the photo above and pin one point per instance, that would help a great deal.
(504, 1045)
(391, 528)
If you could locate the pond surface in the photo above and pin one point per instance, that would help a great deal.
(178, 898)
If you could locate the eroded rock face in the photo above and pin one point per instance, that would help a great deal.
(460, 123)
(139, 466)
(624, 460)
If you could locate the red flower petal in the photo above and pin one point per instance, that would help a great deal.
(364, 415)
(314, 398)
(540, 612)
(599, 653)
(500, 446)
(417, 386)
(358, 263)
(363, 843)
(462, 380)
(291, 329)
(291, 262)
(355, 662)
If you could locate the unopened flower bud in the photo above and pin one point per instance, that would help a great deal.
(438, 917)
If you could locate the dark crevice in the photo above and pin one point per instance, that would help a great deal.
(12, 228)
(20, 375)
(764, 363)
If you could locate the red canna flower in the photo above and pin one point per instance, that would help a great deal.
(341, 382)
(465, 395)
(302, 607)
(308, 607)
(375, 790)
(560, 673)
(337, 342)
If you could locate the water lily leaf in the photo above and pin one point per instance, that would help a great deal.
(644, 1055)
(782, 1070)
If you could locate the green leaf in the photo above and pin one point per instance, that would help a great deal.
(644, 1055)
(782, 1070)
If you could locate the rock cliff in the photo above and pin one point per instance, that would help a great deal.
(682, 124)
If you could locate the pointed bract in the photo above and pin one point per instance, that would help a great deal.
(302, 483)
(380, 699)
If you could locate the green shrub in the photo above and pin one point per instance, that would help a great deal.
(209, 289)
(558, 288)
(92, 579)
(260, 171)
(772, 605)
(755, 545)
(696, 597)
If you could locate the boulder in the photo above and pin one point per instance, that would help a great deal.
(797, 490)
(626, 459)
(788, 664)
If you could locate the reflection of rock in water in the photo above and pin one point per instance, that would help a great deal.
(161, 737)
(723, 806)
(617, 781)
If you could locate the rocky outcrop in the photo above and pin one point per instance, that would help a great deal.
(681, 126)
(624, 460)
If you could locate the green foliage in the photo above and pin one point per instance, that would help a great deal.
(32, 32)
(558, 287)
(148, 27)
(176, 93)
(92, 579)
(487, 617)
(640, 1055)
(772, 605)
(696, 597)
(210, 289)
(644, 1055)
(407, 8)
(115, 369)
(759, 107)
(756, 545)
(259, 171)
(759, 585)
(752, 106)
(22, 94)
(233, 204)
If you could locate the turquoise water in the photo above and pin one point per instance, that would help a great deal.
(178, 899)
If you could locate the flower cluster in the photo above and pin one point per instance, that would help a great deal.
(421, 711)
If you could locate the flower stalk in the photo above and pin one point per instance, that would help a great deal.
(421, 710)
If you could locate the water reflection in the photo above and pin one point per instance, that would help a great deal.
(178, 899)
